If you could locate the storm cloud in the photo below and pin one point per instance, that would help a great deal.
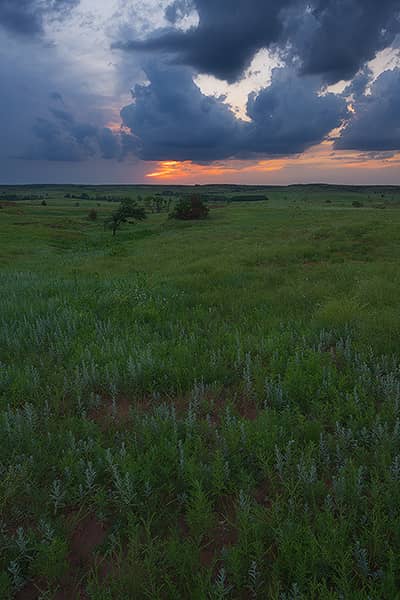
(335, 38)
(375, 125)
(228, 35)
(330, 38)
(63, 85)
(171, 119)
(63, 138)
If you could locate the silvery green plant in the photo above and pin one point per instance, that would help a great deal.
(361, 557)
(22, 544)
(248, 376)
(324, 453)
(181, 454)
(293, 594)
(221, 587)
(395, 468)
(254, 580)
(360, 480)
(46, 531)
(283, 458)
(90, 477)
(274, 393)
(124, 488)
(306, 471)
(17, 577)
(57, 495)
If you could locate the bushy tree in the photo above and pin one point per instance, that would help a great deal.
(190, 208)
(127, 212)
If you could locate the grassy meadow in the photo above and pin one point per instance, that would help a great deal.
(200, 410)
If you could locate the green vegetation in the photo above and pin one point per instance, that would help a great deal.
(204, 409)
(190, 208)
(127, 212)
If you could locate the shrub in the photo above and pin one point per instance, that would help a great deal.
(357, 204)
(43, 203)
(92, 214)
(190, 208)
(128, 212)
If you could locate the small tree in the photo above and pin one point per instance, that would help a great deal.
(190, 208)
(43, 203)
(92, 214)
(127, 212)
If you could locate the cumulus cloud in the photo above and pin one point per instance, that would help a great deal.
(58, 98)
(228, 35)
(292, 114)
(63, 138)
(27, 17)
(171, 119)
(331, 38)
(335, 38)
(375, 125)
(46, 110)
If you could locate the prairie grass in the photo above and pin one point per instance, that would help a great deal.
(201, 410)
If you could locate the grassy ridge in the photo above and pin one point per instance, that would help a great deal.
(201, 410)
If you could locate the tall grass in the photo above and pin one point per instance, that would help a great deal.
(211, 410)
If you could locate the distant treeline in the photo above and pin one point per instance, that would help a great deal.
(248, 198)
(78, 196)
(16, 198)
(97, 198)
(237, 198)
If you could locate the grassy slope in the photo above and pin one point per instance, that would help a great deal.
(201, 410)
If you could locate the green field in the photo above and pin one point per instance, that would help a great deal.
(200, 410)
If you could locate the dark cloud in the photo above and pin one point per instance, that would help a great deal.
(109, 143)
(292, 114)
(26, 17)
(47, 112)
(171, 119)
(375, 126)
(228, 35)
(335, 38)
(331, 38)
(54, 144)
(63, 138)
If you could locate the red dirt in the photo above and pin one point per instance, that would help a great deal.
(223, 535)
(88, 535)
(248, 410)
(261, 494)
(29, 592)
(105, 415)
(336, 358)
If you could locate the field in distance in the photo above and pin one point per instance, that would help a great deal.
(206, 409)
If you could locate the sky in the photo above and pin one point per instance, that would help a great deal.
(200, 91)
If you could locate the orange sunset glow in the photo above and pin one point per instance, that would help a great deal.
(319, 158)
